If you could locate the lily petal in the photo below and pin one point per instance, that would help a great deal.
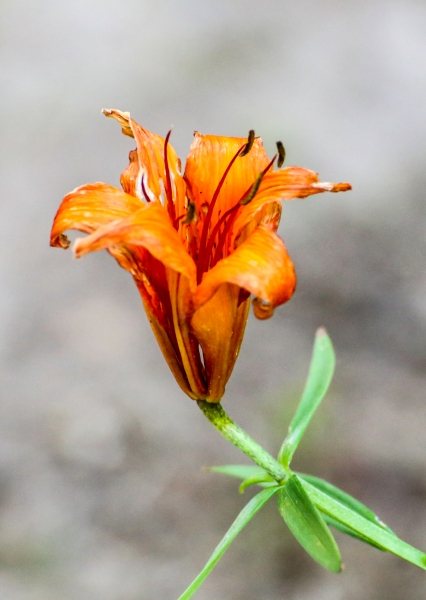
(150, 228)
(163, 336)
(219, 326)
(287, 184)
(89, 207)
(259, 265)
(129, 178)
(187, 344)
(208, 158)
(150, 153)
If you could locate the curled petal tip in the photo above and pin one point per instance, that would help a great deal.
(342, 187)
(61, 241)
(122, 117)
(117, 114)
(79, 249)
(262, 309)
(326, 186)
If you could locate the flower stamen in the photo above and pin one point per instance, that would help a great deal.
(147, 198)
(169, 192)
(281, 154)
(231, 213)
(191, 214)
(252, 192)
(245, 199)
(269, 167)
(189, 217)
(250, 142)
(202, 266)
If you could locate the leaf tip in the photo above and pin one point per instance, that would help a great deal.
(321, 332)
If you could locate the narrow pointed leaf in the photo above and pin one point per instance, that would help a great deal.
(240, 471)
(373, 533)
(240, 522)
(319, 378)
(349, 531)
(265, 480)
(307, 525)
(345, 499)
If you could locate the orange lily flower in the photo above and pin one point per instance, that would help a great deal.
(197, 245)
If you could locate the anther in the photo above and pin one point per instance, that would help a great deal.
(281, 154)
(190, 215)
(249, 145)
(253, 191)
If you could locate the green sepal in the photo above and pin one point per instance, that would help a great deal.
(366, 530)
(319, 378)
(307, 525)
(240, 522)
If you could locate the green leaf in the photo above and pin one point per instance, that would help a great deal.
(264, 480)
(240, 522)
(319, 378)
(307, 525)
(345, 499)
(252, 475)
(349, 531)
(240, 471)
(373, 533)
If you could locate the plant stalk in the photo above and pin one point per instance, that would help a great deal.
(237, 436)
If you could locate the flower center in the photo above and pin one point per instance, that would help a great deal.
(203, 256)
(206, 259)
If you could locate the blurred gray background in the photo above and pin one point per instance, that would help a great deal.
(102, 492)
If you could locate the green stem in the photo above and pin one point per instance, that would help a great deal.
(226, 426)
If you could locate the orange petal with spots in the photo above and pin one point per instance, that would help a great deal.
(89, 207)
(150, 153)
(287, 184)
(162, 335)
(129, 177)
(218, 326)
(150, 228)
(259, 265)
(181, 305)
(207, 161)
